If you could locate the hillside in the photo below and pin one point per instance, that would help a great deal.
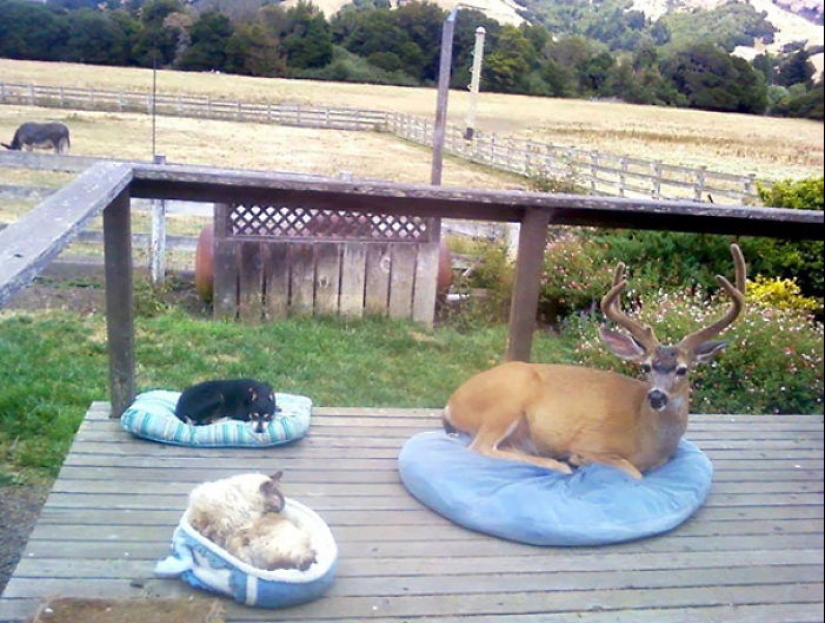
(792, 18)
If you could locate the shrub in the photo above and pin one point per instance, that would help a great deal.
(773, 362)
(802, 260)
(781, 294)
(485, 288)
(575, 276)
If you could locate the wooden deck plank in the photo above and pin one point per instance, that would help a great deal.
(752, 553)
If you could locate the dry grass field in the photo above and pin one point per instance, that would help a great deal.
(739, 144)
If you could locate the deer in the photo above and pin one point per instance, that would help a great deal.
(560, 417)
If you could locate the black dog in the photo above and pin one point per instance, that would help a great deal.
(247, 400)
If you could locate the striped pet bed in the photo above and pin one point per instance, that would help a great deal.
(152, 416)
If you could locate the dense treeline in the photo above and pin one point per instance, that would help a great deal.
(598, 50)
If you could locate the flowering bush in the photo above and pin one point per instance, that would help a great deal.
(773, 362)
(780, 294)
(575, 277)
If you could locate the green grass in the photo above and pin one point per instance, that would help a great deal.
(55, 364)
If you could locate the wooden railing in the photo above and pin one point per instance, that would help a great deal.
(590, 171)
(28, 244)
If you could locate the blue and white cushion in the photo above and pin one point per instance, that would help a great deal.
(152, 416)
(203, 565)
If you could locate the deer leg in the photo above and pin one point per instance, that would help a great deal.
(611, 460)
(487, 442)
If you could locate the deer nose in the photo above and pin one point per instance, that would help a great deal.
(657, 399)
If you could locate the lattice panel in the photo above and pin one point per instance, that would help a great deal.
(302, 222)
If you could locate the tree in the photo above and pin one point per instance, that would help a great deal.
(20, 40)
(796, 69)
(711, 79)
(95, 38)
(306, 38)
(252, 50)
(210, 35)
(156, 44)
(508, 62)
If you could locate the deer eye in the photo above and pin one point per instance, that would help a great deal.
(646, 368)
(681, 370)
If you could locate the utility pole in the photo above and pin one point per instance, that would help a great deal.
(478, 54)
(440, 128)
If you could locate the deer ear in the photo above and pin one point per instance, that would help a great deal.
(706, 351)
(622, 345)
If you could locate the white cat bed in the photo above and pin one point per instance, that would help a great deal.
(152, 416)
(203, 565)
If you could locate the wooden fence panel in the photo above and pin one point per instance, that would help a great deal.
(327, 277)
(377, 287)
(353, 279)
(302, 280)
(426, 281)
(402, 279)
(276, 279)
(250, 281)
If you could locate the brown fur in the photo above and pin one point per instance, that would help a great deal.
(559, 416)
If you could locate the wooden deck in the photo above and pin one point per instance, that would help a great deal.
(753, 553)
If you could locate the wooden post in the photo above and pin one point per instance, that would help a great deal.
(525, 302)
(445, 65)
(117, 246)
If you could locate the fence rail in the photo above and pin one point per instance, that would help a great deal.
(564, 167)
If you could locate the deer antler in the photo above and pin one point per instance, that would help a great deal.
(737, 295)
(642, 333)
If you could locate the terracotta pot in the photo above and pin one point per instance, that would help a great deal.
(445, 270)
(204, 270)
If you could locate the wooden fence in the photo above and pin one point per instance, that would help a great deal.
(565, 167)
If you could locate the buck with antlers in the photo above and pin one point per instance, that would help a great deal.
(558, 416)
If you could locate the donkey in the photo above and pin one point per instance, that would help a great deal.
(31, 136)
(559, 416)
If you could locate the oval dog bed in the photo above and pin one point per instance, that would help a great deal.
(152, 416)
(520, 502)
(203, 565)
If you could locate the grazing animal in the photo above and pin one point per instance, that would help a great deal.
(246, 400)
(558, 416)
(242, 514)
(31, 136)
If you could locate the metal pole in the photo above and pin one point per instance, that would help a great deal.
(443, 89)
(154, 97)
(157, 238)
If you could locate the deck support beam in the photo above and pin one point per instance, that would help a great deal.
(525, 301)
(117, 246)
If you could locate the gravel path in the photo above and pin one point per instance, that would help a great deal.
(19, 507)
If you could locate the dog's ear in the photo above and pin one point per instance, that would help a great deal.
(252, 395)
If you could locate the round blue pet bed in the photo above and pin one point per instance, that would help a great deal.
(152, 416)
(595, 505)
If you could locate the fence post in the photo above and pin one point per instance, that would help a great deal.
(623, 176)
(748, 192)
(594, 170)
(157, 237)
(657, 179)
(699, 189)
